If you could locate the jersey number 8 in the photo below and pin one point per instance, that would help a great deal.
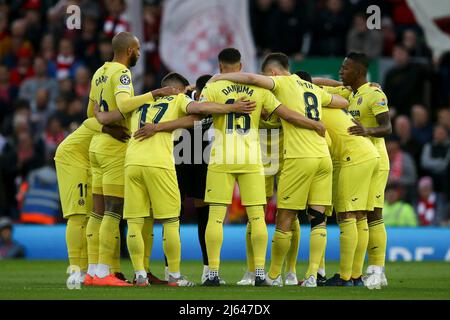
(311, 109)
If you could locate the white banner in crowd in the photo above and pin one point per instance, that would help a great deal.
(193, 32)
(426, 12)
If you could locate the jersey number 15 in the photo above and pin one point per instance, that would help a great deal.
(232, 116)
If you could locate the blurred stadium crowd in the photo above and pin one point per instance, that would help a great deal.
(45, 72)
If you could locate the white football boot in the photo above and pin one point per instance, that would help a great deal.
(247, 280)
(311, 282)
(278, 282)
(291, 279)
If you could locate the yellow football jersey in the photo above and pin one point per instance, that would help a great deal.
(306, 99)
(236, 146)
(347, 149)
(74, 150)
(364, 105)
(109, 80)
(156, 151)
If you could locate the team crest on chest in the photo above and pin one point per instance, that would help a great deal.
(125, 79)
(359, 101)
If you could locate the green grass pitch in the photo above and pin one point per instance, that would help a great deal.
(24, 279)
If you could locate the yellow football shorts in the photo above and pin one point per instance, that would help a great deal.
(75, 189)
(220, 186)
(305, 181)
(355, 187)
(107, 174)
(151, 187)
(380, 186)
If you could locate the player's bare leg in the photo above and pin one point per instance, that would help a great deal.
(92, 236)
(280, 244)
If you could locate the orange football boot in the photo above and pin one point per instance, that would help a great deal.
(88, 280)
(110, 281)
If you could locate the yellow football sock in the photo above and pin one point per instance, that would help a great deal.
(172, 245)
(214, 234)
(83, 253)
(321, 269)
(108, 237)
(249, 248)
(259, 235)
(92, 237)
(347, 240)
(377, 243)
(292, 254)
(361, 248)
(317, 243)
(74, 238)
(147, 234)
(280, 245)
(115, 262)
(322, 265)
(135, 243)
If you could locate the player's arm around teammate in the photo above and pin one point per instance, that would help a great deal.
(106, 118)
(197, 111)
(268, 83)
